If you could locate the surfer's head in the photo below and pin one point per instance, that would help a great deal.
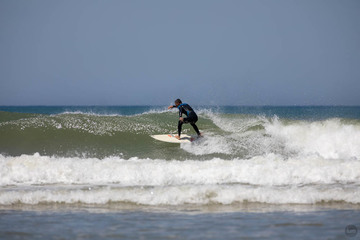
(178, 102)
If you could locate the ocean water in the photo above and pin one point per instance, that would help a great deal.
(258, 172)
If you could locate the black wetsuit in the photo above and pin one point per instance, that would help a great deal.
(191, 117)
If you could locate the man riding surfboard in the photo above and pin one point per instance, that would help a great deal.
(191, 116)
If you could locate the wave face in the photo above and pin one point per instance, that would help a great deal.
(98, 158)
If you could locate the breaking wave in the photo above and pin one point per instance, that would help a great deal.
(98, 159)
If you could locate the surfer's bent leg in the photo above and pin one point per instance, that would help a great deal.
(192, 120)
(195, 128)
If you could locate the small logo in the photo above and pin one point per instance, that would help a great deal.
(351, 230)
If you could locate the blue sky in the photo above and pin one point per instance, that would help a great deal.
(135, 52)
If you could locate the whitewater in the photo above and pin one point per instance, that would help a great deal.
(90, 157)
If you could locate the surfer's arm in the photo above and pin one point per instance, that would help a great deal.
(180, 112)
(172, 106)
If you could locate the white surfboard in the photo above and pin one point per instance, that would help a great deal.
(170, 138)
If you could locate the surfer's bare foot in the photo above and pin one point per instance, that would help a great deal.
(177, 137)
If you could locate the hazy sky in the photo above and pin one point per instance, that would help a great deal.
(135, 52)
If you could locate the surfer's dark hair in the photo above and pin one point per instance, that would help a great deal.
(178, 101)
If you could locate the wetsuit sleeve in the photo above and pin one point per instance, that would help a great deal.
(180, 111)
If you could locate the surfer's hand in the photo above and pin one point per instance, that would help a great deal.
(181, 119)
(170, 107)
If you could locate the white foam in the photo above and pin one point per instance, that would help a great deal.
(208, 145)
(330, 138)
(240, 135)
(270, 169)
(269, 178)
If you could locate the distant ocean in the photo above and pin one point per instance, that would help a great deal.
(258, 172)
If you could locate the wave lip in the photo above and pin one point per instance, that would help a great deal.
(35, 179)
(110, 113)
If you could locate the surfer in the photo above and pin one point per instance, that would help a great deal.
(191, 118)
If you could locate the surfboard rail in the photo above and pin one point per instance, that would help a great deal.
(170, 138)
